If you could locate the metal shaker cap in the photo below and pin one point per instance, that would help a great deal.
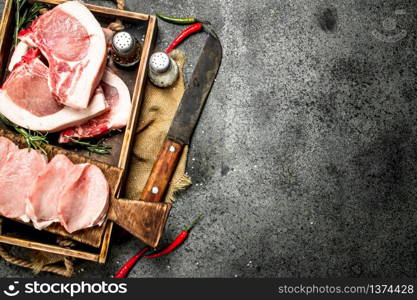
(126, 50)
(123, 42)
(163, 70)
(159, 62)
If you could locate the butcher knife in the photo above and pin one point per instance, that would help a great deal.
(185, 119)
(146, 219)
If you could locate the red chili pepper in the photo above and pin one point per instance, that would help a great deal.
(125, 269)
(177, 242)
(183, 35)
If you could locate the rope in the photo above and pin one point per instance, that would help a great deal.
(67, 271)
(117, 25)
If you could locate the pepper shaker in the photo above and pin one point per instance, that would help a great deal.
(126, 50)
(163, 70)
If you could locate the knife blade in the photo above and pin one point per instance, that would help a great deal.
(185, 119)
(194, 98)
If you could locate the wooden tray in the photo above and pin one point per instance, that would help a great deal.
(94, 242)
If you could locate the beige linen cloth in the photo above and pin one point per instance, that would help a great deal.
(157, 111)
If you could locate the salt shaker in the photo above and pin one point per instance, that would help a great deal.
(163, 70)
(126, 50)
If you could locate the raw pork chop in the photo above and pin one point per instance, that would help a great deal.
(108, 34)
(83, 202)
(6, 147)
(20, 50)
(118, 98)
(26, 100)
(43, 199)
(17, 176)
(73, 42)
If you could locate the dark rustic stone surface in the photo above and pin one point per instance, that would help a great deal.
(304, 162)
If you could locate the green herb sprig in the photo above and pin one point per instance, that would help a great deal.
(24, 15)
(99, 147)
(34, 139)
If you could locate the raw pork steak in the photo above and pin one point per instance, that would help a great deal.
(43, 199)
(73, 42)
(84, 202)
(19, 52)
(6, 147)
(17, 176)
(22, 48)
(26, 100)
(118, 98)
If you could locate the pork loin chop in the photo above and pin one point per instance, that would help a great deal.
(19, 51)
(42, 205)
(17, 176)
(26, 100)
(73, 42)
(83, 202)
(22, 48)
(6, 147)
(117, 97)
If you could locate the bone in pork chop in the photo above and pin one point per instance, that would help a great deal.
(74, 44)
(83, 202)
(26, 100)
(17, 176)
(22, 48)
(117, 97)
(19, 51)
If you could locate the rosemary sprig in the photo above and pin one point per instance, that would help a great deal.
(34, 139)
(24, 15)
(99, 148)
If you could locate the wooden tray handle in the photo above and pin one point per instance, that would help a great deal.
(145, 220)
(162, 171)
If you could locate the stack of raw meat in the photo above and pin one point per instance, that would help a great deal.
(59, 80)
(76, 196)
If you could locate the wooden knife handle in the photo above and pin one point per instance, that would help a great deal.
(162, 171)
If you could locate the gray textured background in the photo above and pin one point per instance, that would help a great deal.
(304, 161)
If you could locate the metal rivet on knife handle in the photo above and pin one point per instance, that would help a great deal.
(162, 171)
(155, 190)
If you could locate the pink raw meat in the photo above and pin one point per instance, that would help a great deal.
(19, 51)
(6, 147)
(17, 176)
(22, 48)
(43, 199)
(83, 202)
(108, 34)
(74, 44)
(118, 98)
(26, 100)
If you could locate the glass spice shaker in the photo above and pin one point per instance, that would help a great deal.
(126, 50)
(163, 70)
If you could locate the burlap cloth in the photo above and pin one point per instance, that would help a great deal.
(157, 111)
